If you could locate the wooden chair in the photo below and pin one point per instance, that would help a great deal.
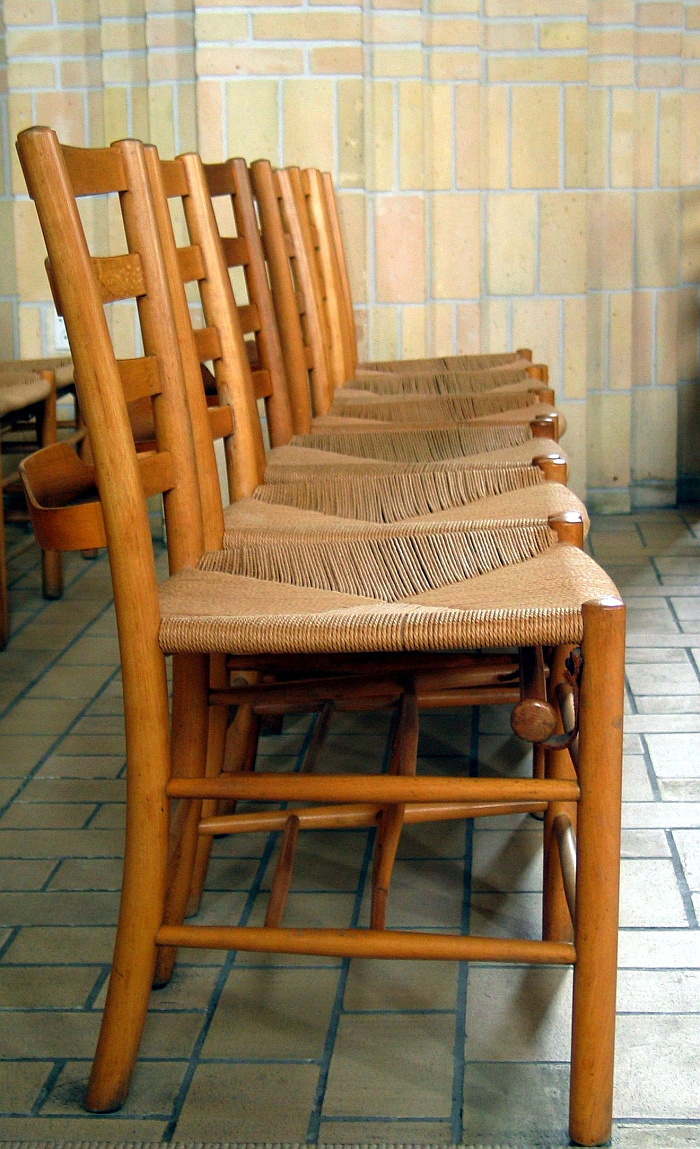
(276, 508)
(27, 403)
(299, 298)
(504, 396)
(383, 497)
(234, 602)
(368, 374)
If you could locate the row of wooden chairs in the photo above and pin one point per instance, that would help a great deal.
(357, 564)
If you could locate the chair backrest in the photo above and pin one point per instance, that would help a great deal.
(231, 180)
(296, 290)
(56, 177)
(342, 356)
(221, 341)
(336, 236)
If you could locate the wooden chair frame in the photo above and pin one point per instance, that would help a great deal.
(161, 764)
(43, 417)
(326, 217)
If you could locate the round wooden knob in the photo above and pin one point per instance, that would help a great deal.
(533, 719)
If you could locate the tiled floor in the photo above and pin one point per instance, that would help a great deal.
(248, 1048)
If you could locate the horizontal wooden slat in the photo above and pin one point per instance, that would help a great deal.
(63, 500)
(262, 383)
(251, 348)
(94, 171)
(288, 245)
(156, 473)
(119, 276)
(301, 302)
(174, 178)
(219, 179)
(314, 235)
(139, 377)
(191, 263)
(220, 421)
(235, 250)
(249, 318)
(207, 343)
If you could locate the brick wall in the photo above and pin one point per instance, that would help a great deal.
(512, 172)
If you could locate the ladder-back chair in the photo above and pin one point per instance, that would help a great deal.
(239, 602)
(366, 373)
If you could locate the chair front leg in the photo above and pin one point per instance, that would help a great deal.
(597, 871)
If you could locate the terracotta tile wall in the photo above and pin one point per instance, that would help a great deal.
(512, 172)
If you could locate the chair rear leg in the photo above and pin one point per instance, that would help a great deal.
(4, 614)
(47, 434)
(598, 871)
(190, 728)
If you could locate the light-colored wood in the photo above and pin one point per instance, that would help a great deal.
(554, 468)
(277, 255)
(390, 823)
(372, 788)
(566, 844)
(216, 744)
(282, 877)
(63, 500)
(47, 432)
(545, 427)
(533, 718)
(188, 749)
(339, 354)
(245, 453)
(231, 178)
(4, 613)
(133, 575)
(193, 418)
(556, 920)
(159, 866)
(597, 871)
(295, 218)
(318, 738)
(356, 815)
(390, 944)
(337, 239)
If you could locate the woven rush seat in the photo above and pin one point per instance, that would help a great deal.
(377, 385)
(438, 408)
(482, 493)
(21, 387)
(62, 368)
(292, 463)
(446, 363)
(417, 445)
(421, 592)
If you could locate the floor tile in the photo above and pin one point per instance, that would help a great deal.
(400, 985)
(237, 1102)
(658, 991)
(153, 1090)
(518, 1014)
(673, 678)
(688, 844)
(336, 1132)
(657, 1066)
(675, 755)
(391, 1065)
(514, 1103)
(263, 1015)
(649, 894)
(20, 1084)
(33, 987)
